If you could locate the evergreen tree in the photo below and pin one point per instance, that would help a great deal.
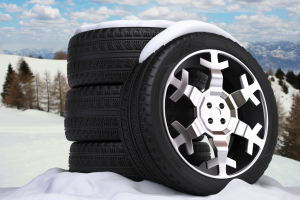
(285, 88)
(15, 97)
(296, 82)
(290, 77)
(40, 57)
(8, 80)
(291, 138)
(24, 68)
(279, 74)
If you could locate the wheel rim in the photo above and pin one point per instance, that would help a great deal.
(217, 116)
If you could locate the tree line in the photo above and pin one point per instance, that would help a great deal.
(22, 89)
(288, 142)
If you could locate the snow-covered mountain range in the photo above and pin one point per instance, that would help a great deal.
(283, 54)
(46, 53)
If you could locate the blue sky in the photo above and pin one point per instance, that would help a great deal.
(51, 23)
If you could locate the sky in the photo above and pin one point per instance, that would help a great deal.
(51, 23)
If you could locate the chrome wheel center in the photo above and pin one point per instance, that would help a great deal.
(217, 115)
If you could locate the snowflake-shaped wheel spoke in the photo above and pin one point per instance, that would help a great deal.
(216, 113)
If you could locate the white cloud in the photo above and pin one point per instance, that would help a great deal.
(124, 2)
(173, 2)
(165, 13)
(5, 17)
(41, 2)
(233, 7)
(99, 15)
(11, 7)
(70, 2)
(41, 12)
(208, 3)
(262, 28)
(131, 17)
(293, 10)
(68, 9)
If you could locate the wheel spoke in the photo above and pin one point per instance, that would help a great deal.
(220, 148)
(183, 88)
(244, 130)
(216, 82)
(242, 96)
(187, 134)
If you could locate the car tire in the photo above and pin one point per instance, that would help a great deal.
(105, 56)
(251, 121)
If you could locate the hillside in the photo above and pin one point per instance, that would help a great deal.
(46, 53)
(36, 65)
(285, 99)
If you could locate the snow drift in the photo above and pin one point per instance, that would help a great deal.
(58, 184)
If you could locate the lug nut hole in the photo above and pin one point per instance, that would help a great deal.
(221, 105)
(210, 120)
(223, 121)
(209, 105)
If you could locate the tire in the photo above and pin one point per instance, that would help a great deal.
(86, 157)
(91, 113)
(144, 125)
(105, 56)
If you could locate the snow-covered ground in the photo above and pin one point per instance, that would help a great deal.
(31, 142)
(36, 65)
(59, 184)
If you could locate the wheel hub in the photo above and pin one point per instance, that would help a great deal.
(215, 114)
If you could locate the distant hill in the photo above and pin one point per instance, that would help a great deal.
(46, 53)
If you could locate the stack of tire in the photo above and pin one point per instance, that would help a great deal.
(99, 62)
(147, 120)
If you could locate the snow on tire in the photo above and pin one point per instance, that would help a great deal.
(106, 55)
(237, 103)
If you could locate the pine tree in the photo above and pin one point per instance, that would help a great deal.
(279, 74)
(7, 82)
(296, 82)
(40, 57)
(285, 88)
(24, 69)
(291, 138)
(15, 99)
(290, 77)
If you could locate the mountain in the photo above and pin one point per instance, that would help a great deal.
(283, 54)
(46, 53)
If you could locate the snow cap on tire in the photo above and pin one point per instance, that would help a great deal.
(178, 29)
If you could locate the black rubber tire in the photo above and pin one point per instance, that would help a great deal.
(91, 113)
(86, 157)
(105, 56)
(142, 129)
